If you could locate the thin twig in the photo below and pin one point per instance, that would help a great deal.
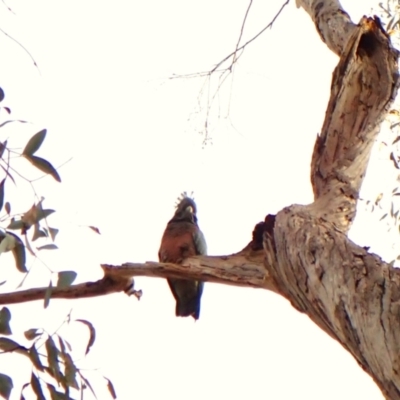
(26, 50)
(241, 30)
(6, 5)
(252, 39)
(225, 72)
(237, 49)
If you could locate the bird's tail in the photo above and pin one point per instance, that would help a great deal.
(188, 308)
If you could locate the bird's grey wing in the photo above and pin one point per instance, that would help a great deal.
(200, 242)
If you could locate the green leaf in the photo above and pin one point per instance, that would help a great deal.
(53, 233)
(34, 143)
(94, 229)
(7, 242)
(35, 359)
(24, 386)
(44, 165)
(15, 224)
(70, 371)
(3, 147)
(52, 358)
(69, 347)
(92, 332)
(44, 213)
(47, 247)
(110, 388)
(8, 174)
(9, 345)
(6, 386)
(19, 254)
(65, 278)
(5, 317)
(87, 383)
(62, 346)
(2, 193)
(55, 395)
(35, 214)
(32, 333)
(36, 387)
(47, 295)
(37, 232)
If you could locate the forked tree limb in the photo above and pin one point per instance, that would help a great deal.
(364, 85)
(350, 294)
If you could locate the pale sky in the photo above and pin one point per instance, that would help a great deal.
(104, 95)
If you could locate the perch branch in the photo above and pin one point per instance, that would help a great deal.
(241, 269)
(101, 287)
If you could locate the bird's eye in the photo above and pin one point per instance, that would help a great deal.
(190, 209)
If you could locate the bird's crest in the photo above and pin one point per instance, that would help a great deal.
(185, 200)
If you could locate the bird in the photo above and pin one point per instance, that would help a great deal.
(183, 238)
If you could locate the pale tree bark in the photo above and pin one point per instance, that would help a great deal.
(350, 294)
(303, 252)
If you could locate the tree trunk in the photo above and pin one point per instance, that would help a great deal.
(349, 293)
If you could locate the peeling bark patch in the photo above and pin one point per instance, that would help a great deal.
(363, 85)
(383, 311)
(367, 45)
(352, 295)
(318, 8)
(347, 330)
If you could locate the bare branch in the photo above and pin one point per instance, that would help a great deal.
(24, 48)
(241, 269)
(224, 73)
(242, 30)
(233, 54)
(332, 22)
(88, 289)
(356, 107)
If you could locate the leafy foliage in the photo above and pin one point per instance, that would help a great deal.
(54, 365)
(36, 216)
(6, 386)
(65, 278)
(5, 317)
(55, 373)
